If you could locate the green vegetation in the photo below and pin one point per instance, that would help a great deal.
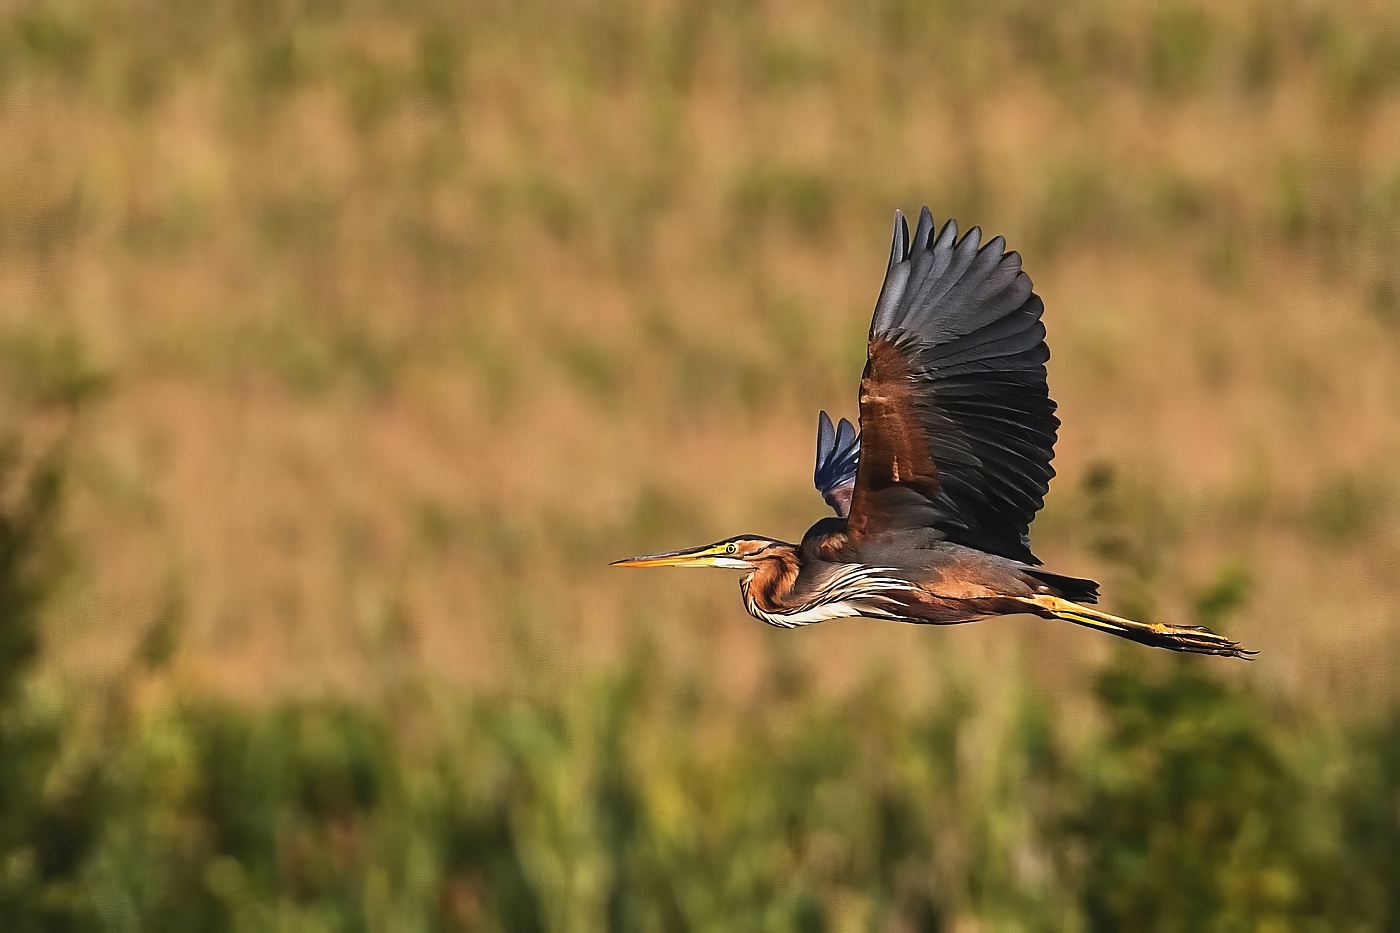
(633, 806)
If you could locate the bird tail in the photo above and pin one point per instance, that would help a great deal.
(1196, 639)
(1076, 589)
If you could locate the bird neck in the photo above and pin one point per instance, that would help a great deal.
(771, 582)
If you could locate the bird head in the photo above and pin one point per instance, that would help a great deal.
(742, 552)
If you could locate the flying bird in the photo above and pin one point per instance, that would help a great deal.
(934, 498)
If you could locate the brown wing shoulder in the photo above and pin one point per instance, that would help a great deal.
(896, 457)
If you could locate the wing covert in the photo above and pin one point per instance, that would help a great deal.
(957, 425)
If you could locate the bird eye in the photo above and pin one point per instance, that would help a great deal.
(731, 548)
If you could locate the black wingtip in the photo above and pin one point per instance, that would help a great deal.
(899, 247)
(826, 440)
(949, 234)
(925, 228)
(845, 435)
(826, 433)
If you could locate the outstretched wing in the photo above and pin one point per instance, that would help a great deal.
(838, 449)
(957, 425)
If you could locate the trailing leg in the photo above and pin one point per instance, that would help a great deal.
(1192, 638)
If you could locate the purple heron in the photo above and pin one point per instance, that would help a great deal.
(935, 497)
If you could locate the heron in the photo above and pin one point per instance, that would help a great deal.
(934, 497)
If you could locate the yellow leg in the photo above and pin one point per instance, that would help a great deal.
(1193, 638)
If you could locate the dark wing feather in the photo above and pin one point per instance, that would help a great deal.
(838, 449)
(957, 425)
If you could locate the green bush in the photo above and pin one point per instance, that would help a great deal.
(1190, 813)
(640, 806)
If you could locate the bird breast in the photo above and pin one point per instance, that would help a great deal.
(848, 590)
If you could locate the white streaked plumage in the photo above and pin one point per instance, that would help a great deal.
(853, 590)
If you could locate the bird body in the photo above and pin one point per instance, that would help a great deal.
(935, 495)
(826, 577)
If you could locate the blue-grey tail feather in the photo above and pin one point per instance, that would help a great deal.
(1075, 589)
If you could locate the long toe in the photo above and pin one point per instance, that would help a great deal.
(1201, 640)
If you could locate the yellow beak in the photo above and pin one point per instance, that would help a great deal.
(711, 555)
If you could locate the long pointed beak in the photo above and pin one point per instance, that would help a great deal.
(690, 557)
(711, 555)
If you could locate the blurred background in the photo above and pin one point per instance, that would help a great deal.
(343, 342)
